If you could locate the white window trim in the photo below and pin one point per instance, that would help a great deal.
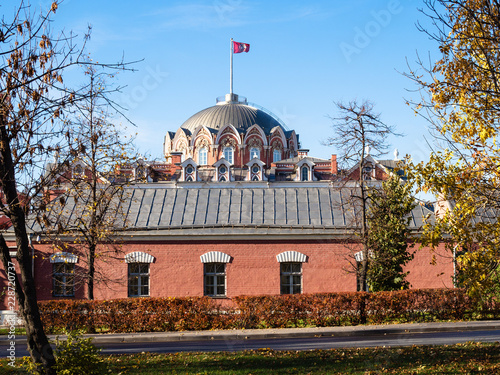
(139, 257)
(63, 257)
(291, 257)
(215, 257)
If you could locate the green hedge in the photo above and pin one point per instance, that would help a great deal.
(276, 311)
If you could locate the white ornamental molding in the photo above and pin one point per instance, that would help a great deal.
(63, 257)
(255, 142)
(201, 142)
(215, 257)
(359, 256)
(139, 257)
(291, 256)
(229, 142)
(277, 145)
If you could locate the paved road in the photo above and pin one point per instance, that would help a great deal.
(292, 339)
(361, 341)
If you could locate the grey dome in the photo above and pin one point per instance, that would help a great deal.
(241, 116)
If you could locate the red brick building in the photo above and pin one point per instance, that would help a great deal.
(237, 208)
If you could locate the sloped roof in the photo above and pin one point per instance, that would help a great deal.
(296, 159)
(230, 211)
(309, 206)
(392, 164)
(482, 215)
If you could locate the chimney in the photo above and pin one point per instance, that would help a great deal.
(176, 157)
(333, 165)
(303, 153)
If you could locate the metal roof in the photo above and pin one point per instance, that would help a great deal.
(231, 211)
(153, 208)
(241, 116)
(296, 159)
(392, 164)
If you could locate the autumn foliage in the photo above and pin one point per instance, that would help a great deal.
(299, 310)
(461, 100)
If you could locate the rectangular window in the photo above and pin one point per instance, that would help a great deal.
(138, 279)
(305, 174)
(64, 280)
(228, 154)
(214, 279)
(291, 278)
(276, 155)
(202, 156)
(254, 153)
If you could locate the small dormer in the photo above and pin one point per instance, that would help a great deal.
(78, 170)
(305, 170)
(256, 170)
(369, 170)
(189, 170)
(141, 171)
(223, 171)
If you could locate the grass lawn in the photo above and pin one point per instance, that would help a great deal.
(469, 358)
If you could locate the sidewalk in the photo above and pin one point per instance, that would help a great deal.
(246, 334)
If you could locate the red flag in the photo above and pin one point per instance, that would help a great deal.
(240, 47)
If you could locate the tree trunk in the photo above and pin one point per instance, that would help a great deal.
(38, 344)
(362, 272)
(91, 272)
(363, 267)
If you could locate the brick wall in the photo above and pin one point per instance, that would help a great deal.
(253, 269)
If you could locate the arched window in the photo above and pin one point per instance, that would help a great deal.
(304, 173)
(254, 153)
(222, 179)
(189, 173)
(276, 155)
(228, 154)
(202, 156)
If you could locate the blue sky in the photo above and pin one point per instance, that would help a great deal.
(304, 56)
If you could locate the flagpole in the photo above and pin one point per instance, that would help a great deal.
(231, 71)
